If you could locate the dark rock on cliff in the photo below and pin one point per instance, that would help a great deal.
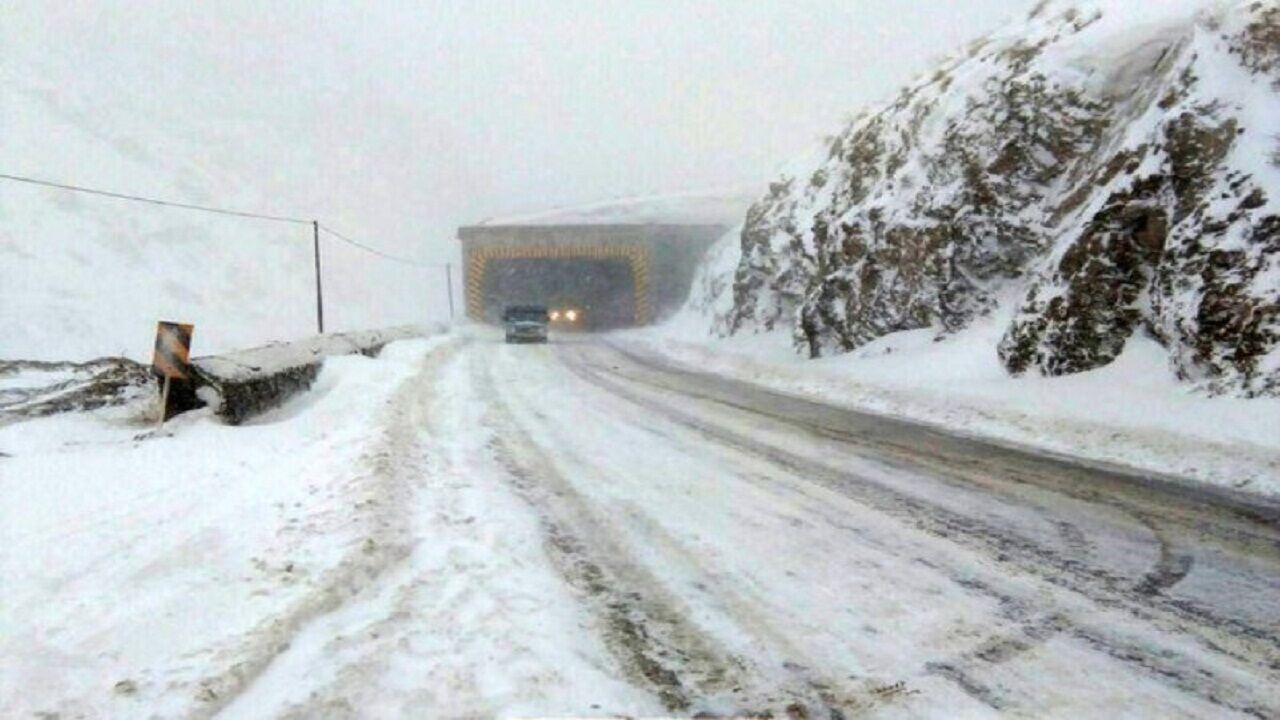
(1116, 178)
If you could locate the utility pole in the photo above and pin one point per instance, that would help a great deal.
(448, 279)
(315, 234)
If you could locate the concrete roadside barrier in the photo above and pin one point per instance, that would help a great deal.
(242, 384)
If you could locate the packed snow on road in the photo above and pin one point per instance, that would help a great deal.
(467, 528)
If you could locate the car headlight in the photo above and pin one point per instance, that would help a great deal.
(555, 314)
(571, 316)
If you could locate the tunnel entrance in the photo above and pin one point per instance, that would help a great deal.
(661, 257)
(606, 284)
(601, 292)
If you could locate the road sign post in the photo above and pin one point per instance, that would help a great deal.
(170, 359)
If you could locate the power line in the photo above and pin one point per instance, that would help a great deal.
(154, 201)
(211, 209)
(316, 227)
(375, 251)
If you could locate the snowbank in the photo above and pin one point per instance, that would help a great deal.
(1133, 412)
(242, 384)
(148, 575)
(358, 551)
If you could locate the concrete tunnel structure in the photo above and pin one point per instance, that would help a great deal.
(621, 264)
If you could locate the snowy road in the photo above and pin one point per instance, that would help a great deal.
(574, 529)
(1015, 578)
(729, 550)
(761, 551)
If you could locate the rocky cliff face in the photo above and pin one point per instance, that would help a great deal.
(1107, 175)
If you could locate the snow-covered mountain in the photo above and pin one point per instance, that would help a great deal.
(84, 276)
(1100, 169)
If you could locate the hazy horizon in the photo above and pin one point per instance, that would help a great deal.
(398, 122)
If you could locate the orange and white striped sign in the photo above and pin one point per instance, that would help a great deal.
(173, 348)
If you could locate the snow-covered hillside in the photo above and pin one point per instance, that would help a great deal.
(1102, 169)
(83, 276)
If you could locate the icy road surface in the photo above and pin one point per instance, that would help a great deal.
(572, 529)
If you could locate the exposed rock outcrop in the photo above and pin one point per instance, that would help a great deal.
(1112, 177)
(50, 388)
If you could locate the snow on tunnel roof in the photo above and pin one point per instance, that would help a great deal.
(722, 207)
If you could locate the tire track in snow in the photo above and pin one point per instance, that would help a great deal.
(963, 474)
(730, 595)
(1228, 637)
(383, 520)
(643, 625)
(841, 695)
(1249, 525)
(1172, 567)
(1068, 561)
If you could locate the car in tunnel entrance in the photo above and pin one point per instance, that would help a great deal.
(568, 318)
(525, 323)
(612, 275)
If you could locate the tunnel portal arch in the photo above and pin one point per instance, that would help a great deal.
(636, 257)
(658, 261)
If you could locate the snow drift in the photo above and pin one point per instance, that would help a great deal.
(1107, 170)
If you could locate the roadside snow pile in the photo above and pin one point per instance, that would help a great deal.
(1110, 170)
(358, 552)
(242, 384)
(1131, 413)
(475, 621)
(154, 575)
(722, 207)
(255, 362)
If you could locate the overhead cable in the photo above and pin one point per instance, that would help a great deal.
(154, 201)
(375, 251)
(212, 209)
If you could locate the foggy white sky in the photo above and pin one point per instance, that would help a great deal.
(400, 121)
